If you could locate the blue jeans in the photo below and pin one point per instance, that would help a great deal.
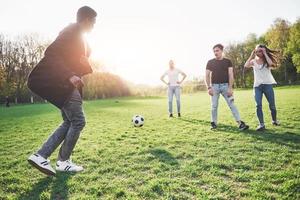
(267, 90)
(218, 89)
(171, 91)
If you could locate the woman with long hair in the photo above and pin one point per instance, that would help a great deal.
(262, 60)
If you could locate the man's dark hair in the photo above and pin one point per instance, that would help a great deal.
(85, 12)
(220, 46)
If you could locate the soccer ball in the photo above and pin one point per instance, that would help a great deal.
(138, 120)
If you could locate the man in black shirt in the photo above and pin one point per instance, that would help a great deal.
(219, 80)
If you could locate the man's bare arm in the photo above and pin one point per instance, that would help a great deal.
(231, 77)
(208, 82)
(231, 81)
(208, 78)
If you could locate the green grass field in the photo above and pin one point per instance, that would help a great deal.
(165, 159)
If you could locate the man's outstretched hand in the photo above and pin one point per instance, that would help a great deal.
(76, 81)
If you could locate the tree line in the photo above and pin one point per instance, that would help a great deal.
(281, 36)
(20, 54)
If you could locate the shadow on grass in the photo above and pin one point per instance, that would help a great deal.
(194, 121)
(58, 190)
(164, 156)
(287, 138)
(290, 139)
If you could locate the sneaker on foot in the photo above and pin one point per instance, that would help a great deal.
(213, 125)
(276, 123)
(171, 115)
(179, 115)
(261, 127)
(243, 126)
(41, 164)
(68, 166)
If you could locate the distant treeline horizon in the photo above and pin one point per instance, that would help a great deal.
(20, 54)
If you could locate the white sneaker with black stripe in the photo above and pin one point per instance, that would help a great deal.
(41, 164)
(68, 166)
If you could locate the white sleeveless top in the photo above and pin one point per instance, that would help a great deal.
(262, 74)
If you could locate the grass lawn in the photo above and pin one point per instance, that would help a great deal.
(179, 158)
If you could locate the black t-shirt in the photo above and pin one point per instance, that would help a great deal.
(219, 69)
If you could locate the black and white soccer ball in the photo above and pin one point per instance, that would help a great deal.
(138, 120)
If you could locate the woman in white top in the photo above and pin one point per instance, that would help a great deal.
(173, 86)
(262, 60)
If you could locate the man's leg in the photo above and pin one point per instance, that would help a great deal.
(74, 112)
(258, 92)
(215, 103)
(39, 159)
(230, 103)
(269, 94)
(56, 138)
(170, 99)
(177, 95)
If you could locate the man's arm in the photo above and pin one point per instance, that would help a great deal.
(60, 51)
(84, 60)
(57, 52)
(231, 80)
(208, 82)
(207, 78)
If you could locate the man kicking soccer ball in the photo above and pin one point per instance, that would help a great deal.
(219, 80)
(57, 78)
(173, 86)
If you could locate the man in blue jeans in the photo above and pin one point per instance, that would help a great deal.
(219, 80)
(57, 78)
(173, 86)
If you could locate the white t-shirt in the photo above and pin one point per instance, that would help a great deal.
(262, 74)
(173, 75)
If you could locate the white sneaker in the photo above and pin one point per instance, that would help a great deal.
(41, 164)
(68, 166)
(261, 127)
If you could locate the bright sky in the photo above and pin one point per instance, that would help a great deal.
(136, 38)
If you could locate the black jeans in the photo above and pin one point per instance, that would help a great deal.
(68, 132)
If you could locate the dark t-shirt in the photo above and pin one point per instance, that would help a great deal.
(219, 69)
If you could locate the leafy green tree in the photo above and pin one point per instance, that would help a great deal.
(293, 46)
(277, 37)
(238, 53)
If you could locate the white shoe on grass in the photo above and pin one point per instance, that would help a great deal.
(41, 164)
(68, 166)
(261, 127)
